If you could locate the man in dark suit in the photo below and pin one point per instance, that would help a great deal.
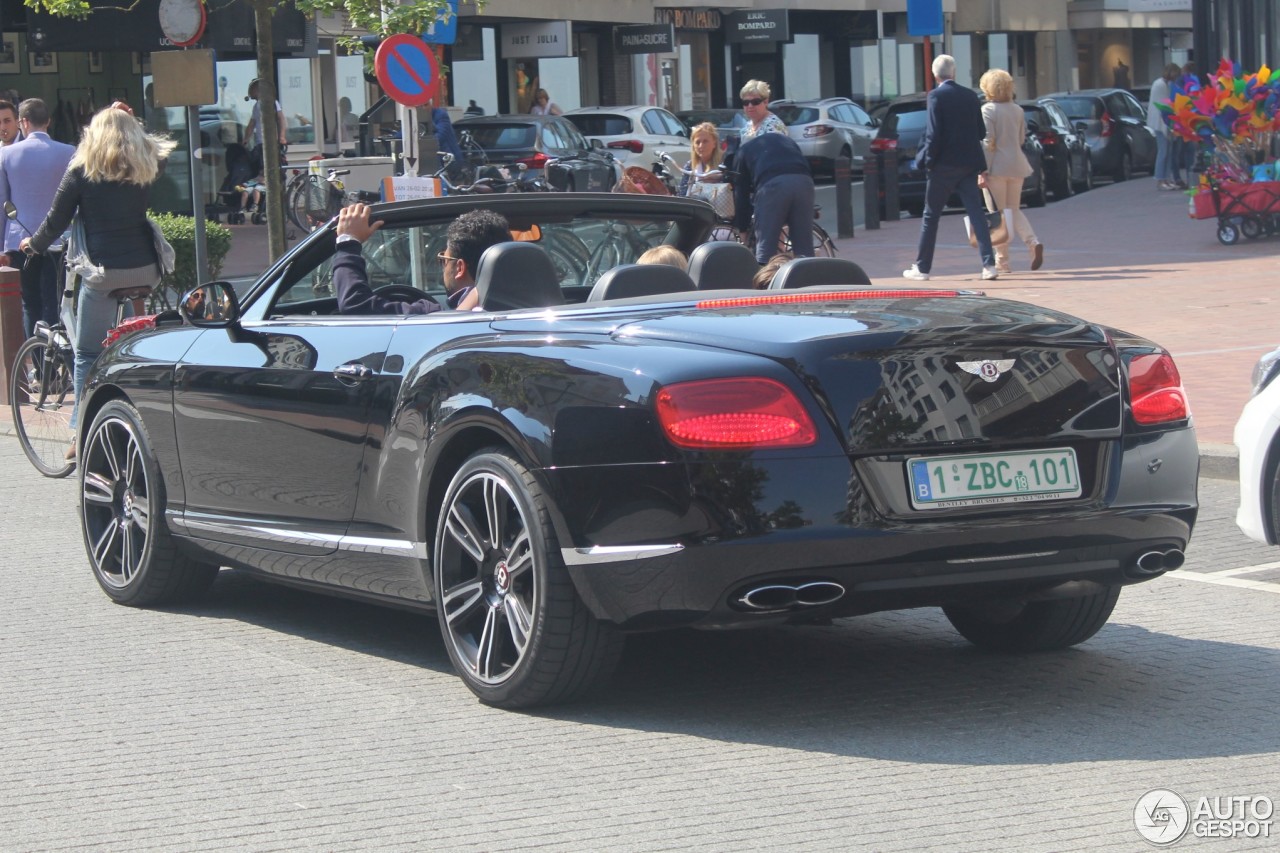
(30, 172)
(951, 155)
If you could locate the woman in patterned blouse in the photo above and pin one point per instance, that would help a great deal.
(755, 106)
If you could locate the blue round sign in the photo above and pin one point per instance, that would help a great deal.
(407, 70)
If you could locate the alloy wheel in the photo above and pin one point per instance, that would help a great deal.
(116, 501)
(488, 578)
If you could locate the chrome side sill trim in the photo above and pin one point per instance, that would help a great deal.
(1027, 556)
(367, 544)
(615, 553)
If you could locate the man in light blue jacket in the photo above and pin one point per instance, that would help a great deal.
(30, 172)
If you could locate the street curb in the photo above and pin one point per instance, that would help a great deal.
(1217, 461)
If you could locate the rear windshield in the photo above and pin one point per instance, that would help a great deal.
(502, 135)
(1081, 109)
(795, 115)
(913, 119)
(600, 124)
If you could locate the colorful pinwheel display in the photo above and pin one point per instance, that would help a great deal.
(1234, 118)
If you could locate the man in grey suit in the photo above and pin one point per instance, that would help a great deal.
(30, 172)
(952, 157)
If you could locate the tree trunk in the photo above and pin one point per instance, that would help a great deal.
(270, 125)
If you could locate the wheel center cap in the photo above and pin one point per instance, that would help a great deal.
(501, 577)
(126, 505)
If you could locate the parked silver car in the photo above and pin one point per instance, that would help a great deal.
(828, 128)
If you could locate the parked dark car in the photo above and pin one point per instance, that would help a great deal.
(1114, 126)
(902, 123)
(548, 475)
(508, 140)
(1068, 166)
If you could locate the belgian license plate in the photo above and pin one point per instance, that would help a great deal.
(941, 482)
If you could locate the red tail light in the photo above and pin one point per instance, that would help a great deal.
(741, 413)
(635, 146)
(537, 161)
(1155, 389)
(818, 130)
(1108, 123)
(133, 324)
(882, 144)
(1049, 138)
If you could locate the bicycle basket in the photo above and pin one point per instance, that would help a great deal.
(644, 181)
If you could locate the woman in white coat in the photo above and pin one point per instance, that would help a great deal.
(1007, 165)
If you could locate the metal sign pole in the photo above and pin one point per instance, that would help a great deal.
(197, 194)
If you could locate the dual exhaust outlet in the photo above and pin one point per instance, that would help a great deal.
(1155, 562)
(775, 597)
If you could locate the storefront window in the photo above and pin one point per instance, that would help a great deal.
(295, 97)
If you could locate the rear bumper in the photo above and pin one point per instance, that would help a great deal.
(799, 521)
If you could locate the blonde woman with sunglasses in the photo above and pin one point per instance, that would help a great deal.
(755, 106)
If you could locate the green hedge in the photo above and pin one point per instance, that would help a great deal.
(180, 231)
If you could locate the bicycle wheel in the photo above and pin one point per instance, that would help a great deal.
(295, 202)
(823, 247)
(42, 396)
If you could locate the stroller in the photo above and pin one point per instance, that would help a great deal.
(242, 178)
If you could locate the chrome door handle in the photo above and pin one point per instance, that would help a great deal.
(352, 372)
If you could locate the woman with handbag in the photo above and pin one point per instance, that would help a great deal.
(1007, 165)
(107, 183)
(702, 177)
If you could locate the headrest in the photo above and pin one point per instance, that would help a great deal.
(512, 276)
(640, 280)
(805, 272)
(722, 264)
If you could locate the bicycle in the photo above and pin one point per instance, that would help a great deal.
(42, 384)
(823, 245)
(310, 204)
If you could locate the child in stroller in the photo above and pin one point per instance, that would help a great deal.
(240, 194)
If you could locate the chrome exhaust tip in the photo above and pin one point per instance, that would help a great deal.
(1151, 563)
(1174, 558)
(771, 598)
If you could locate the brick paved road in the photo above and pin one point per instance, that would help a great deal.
(268, 719)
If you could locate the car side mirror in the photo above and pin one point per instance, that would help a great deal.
(1081, 126)
(596, 143)
(210, 306)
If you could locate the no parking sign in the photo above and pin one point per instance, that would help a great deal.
(407, 70)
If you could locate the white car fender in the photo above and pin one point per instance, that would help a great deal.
(1255, 434)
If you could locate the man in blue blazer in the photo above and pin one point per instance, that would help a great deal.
(30, 172)
(951, 155)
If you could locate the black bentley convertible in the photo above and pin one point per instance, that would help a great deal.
(605, 447)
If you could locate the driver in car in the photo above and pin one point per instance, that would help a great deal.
(465, 241)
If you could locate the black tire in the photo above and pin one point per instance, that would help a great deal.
(1252, 227)
(1125, 171)
(513, 624)
(41, 405)
(122, 505)
(1086, 183)
(1066, 185)
(1040, 197)
(1228, 233)
(1036, 626)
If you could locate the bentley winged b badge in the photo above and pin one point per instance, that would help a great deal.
(989, 370)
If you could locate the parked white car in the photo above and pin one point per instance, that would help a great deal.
(1257, 437)
(632, 134)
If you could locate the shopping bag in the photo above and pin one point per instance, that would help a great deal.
(719, 196)
(996, 223)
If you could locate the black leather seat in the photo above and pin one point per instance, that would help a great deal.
(512, 276)
(640, 280)
(722, 264)
(806, 272)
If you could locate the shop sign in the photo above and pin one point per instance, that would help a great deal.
(644, 38)
(689, 19)
(1159, 5)
(533, 41)
(758, 25)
